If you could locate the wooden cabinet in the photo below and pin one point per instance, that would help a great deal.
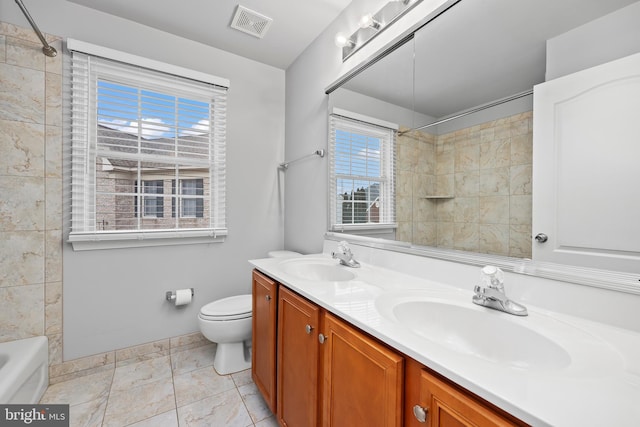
(314, 369)
(362, 379)
(446, 405)
(263, 341)
(298, 321)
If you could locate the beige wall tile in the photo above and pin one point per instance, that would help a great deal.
(22, 313)
(445, 234)
(22, 204)
(522, 150)
(493, 239)
(467, 183)
(520, 241)
(521, 178)
(445, 162)
(424, 233)
(22, 148)
(53, 152)
(21, 258)
(54, 64)
(495, 154)
(445, 185)
(466, 209)
(53, 99)
(53, 256)
(465, 236)
(520, 210)
(494, 182)
(23, 33)
(53, 200)
(467, 158)
(3, 49)
(53, 308)
(444, 210)
(494, 210)
(25, 53)
(21, 94)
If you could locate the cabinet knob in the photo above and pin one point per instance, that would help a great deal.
(420, 413)
(322, 338)
(541, 237)
(268, 297)
(308, 329)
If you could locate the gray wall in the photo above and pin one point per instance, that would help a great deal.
(115, 298)
(611, 37)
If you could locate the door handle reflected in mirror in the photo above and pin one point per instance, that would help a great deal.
(541, 237)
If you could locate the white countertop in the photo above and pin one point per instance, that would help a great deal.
(598, 385)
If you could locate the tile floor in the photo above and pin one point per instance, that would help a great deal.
(179, 389)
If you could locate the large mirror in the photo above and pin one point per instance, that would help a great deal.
(460, 92)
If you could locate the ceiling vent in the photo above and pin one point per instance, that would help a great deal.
(250, 22)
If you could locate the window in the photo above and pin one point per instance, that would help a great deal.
(190, 198)
(362, 172)
(135, 132)
(153, 207)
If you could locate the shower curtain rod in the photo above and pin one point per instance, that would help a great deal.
(474, 110)
(285, 165)
(46, 49)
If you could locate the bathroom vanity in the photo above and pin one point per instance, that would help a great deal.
(334, 345)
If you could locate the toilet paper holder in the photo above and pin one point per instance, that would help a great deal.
(171, 295)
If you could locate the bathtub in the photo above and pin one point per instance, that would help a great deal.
(24, 370)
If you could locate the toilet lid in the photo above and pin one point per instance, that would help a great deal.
(237, 307)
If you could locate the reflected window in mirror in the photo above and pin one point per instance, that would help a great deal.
(362, 172)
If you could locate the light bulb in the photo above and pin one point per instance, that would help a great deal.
(367, 21)
(341, 40)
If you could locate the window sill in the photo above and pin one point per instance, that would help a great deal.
(363, 227)
(137, 239)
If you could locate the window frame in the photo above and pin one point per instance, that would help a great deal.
(88, 236)
(387, 132)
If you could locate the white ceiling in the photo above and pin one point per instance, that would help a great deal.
(296, 23)
(476, 52)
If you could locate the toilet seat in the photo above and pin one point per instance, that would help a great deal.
(230, 308)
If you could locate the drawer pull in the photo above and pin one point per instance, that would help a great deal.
(268, 297)
(322, 338)
(308, 329)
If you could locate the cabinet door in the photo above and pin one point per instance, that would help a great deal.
(586, 197)
(362, 379)
(447, 406)
(263, 341)
(298, 321)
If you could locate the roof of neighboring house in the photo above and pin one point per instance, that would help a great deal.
(117, 141)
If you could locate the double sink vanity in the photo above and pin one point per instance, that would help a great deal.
(374, 345)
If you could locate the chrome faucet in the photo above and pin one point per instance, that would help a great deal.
(490, 293)
(343, 253)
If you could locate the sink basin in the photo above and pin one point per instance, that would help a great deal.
(317, 269)
(475, 331)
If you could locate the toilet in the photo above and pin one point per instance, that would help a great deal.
(227, 322)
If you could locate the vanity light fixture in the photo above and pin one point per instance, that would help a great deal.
(373, 24)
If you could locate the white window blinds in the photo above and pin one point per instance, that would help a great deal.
(135, 132)
(361, 174)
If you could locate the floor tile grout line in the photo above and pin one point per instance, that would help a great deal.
(106, 405)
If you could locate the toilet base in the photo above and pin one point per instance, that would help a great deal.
(231, 358)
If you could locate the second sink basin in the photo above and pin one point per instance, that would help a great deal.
(466, 329)
(317, 269)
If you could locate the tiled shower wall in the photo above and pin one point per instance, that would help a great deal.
(469, 189)
(31, 208)
(31, 188)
